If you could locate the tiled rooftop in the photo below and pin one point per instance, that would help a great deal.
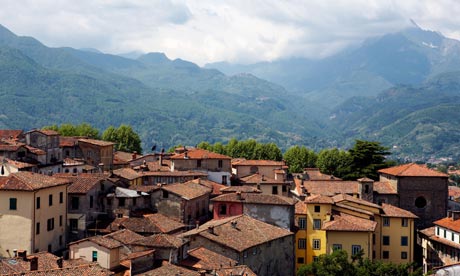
(18, 164)
(170, 270)
(81, 183)
(10, 133)
(255, 198)
(384, 188)
(239, 232)
(430, 233)
(125, 236)
(241, 189)
(300, 208)
(202, 258)
(328, 188)
(260, 179)
(216, 187)
(319, 199)
(393, 211)
(454, 192)
(240, 270)
(343, 198)
(188, 190)
(28, 181)
(412, 169)
(344, 222)
(449, 223)
(199, 154)
(244, 162)
(96, 142)
(127, 173)
(161, 241)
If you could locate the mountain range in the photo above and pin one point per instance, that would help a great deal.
(401, 89)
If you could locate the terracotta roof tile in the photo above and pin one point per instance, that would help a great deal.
(393, 211)
(47, 132)
(255, 198)
(188, 190)
(155, 166)
(235, 271)
(124, 236)
(216, 187)
(244, 162)
(164, 223)
(18, 164)
(12, 134)
(161, 241)
(344, 222)
(174, 173)
(145, 188)
(239, 232)
(97, 142)
(202, 258)
(127, 173)
(28, 181)
(199, 154)
(449, 223)
(314, 174)
(300, 208)
(319, 199)
(35, 150)
(170, 270)
(430, 234)
(328, 188)
(384, 188)
(262, 180)
(342, 198)
(11, 145)
(412, 169)
(241, 189)
(68, 141)
(81, 183)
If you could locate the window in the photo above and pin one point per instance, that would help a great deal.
(165, 194)
(121, 201)
(386, 254)
(420, 202)
(437, 231)
(38, 203)
(73, 224)
(50, 224)
(37, 228)
(302, 244)
(355, 249)
(13, 203)
(60, 220)
(317, 208)
(60, 240)
(50, 200)
(315, 259)
(75, 201)
(49, 248)
(134, 201)
(61, 197)
(219, 163)
(302, 223)
(445, 233)
(94, 255)
(366, 189)
(404, 241)
(222, 209)
(404, 222)
(198, 163)
(300, 260)
(109, 201)
(403, 255)
(386, 240)
(102, 187)
(91, 201)
(224, 179)
(373, 238)
(336, 246)
(274, 190)
(386, 221)
(316, 224)
(316, 244)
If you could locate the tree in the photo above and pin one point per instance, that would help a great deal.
(338, 263)
(83, 129)
(366, 159)
(334, 162)
(298, 158)
(124, 137)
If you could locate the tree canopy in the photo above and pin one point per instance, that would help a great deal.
(125, 137)
(299, 158)
(334, 162)
(83, 129)
(338, 263)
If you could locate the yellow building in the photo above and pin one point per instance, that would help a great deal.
(32, 213)
(344, 222)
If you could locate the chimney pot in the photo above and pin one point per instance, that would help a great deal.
(59, 262)
(33, 263)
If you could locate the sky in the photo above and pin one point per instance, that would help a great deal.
(238, 31)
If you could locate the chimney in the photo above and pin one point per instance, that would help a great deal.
(134, 155)
(455, 215)
(33, 262)
(22, 254)
(15, 253)
(59, 262)
(211, 229)
(197, 224)
(238, 195)
(263, 177)
(233, 223)
(160, 159)
(202, 272)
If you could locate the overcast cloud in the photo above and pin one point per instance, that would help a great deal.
(211, 30)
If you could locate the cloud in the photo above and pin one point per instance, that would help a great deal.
(207, 30)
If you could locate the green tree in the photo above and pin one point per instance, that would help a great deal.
(366, 159)
(204, 145)
(124, 137)
(334, 162)
(83, 129)
(298, 158)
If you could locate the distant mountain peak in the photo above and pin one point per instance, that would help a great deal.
(6, 33)
(154, 58)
